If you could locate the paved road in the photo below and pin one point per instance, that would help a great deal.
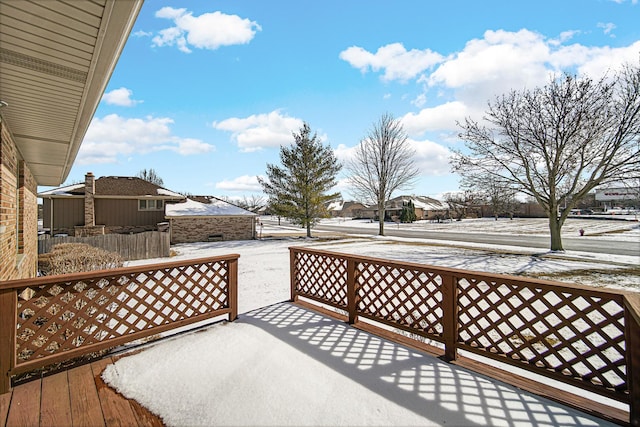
(585, 244)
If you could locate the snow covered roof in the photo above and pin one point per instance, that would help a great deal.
(69, 190)
(422, 202)
(214, 207)
(118, 186)
(335, 206)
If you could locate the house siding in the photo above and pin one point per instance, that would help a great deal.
(199, 229)
(116, 215)
(123, 216)
(67, 214)
(18, 213)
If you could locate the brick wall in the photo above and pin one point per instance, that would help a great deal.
(200, 229)
(18, 213)
(28, 239)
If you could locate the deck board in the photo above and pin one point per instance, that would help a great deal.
(25, 405)
(85, 403)
(75, 397)
(55, 407)
(116, 411)
(5, 400)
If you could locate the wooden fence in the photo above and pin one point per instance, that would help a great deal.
(51, 319)
(582, 336)
(150, 244)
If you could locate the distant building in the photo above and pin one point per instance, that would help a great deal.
(207, 218)
(425, 207)
(110, 204)
(619, 196)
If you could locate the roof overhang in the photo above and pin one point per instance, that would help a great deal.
(56, 59)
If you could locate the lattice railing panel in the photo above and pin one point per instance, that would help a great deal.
(59, 317)
(407, 297)
(569, 333)
(321, 276)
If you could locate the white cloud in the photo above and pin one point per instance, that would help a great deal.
(190, 146)
(141, 33)
(499, 62)
(595, 62)
(241, 183)
(261, 131)
(344, 153)
(501, 59)
(113, 136)
(441, 117)
(431, 159)
(207, 31)
(394, 59)
(607, 27)
(121, 97)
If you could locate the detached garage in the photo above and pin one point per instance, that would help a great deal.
(206, 219)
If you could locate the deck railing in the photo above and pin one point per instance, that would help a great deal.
(582, 336)
(50, 319)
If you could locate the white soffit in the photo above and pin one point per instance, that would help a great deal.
(56, 58)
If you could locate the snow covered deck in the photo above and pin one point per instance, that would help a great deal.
(281, 365)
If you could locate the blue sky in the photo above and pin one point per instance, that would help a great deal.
(206, 92)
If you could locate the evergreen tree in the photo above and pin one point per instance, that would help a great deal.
(298, 189)
(408, 213)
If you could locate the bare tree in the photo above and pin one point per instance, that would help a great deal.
(151, 176)
(383, 163)
(460, 203)
(499, 195)
(558, 142)
(252, 203)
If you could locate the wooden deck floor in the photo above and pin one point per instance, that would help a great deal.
(76, 397)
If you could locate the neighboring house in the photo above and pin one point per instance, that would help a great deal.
(111, 204)
(349, 209)
(55, 63)
(207, 218)
(425, 207)
(335, 208)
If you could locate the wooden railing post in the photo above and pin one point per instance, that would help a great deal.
(632, 329)
(8, 304)
(450, 316)
(292, 274)
(351, 291)
(233, 289)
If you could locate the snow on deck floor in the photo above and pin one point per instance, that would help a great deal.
(284, 365)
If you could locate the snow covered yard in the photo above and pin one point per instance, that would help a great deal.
(280, 364)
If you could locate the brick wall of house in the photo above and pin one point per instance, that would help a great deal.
(28, 238)
(201, 229)
(18, 213)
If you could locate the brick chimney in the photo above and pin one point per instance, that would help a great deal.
(89, 200)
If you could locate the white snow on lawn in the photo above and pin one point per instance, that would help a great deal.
(280, 364)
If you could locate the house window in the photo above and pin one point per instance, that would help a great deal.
(150, 205)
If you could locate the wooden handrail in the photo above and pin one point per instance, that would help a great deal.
(580, 335)
(50, 319)
(632, 318)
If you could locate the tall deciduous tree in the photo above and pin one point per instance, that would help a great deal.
(151, 176)
(500, 196)
(298, 189)
(558, 142)
(383, 163)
